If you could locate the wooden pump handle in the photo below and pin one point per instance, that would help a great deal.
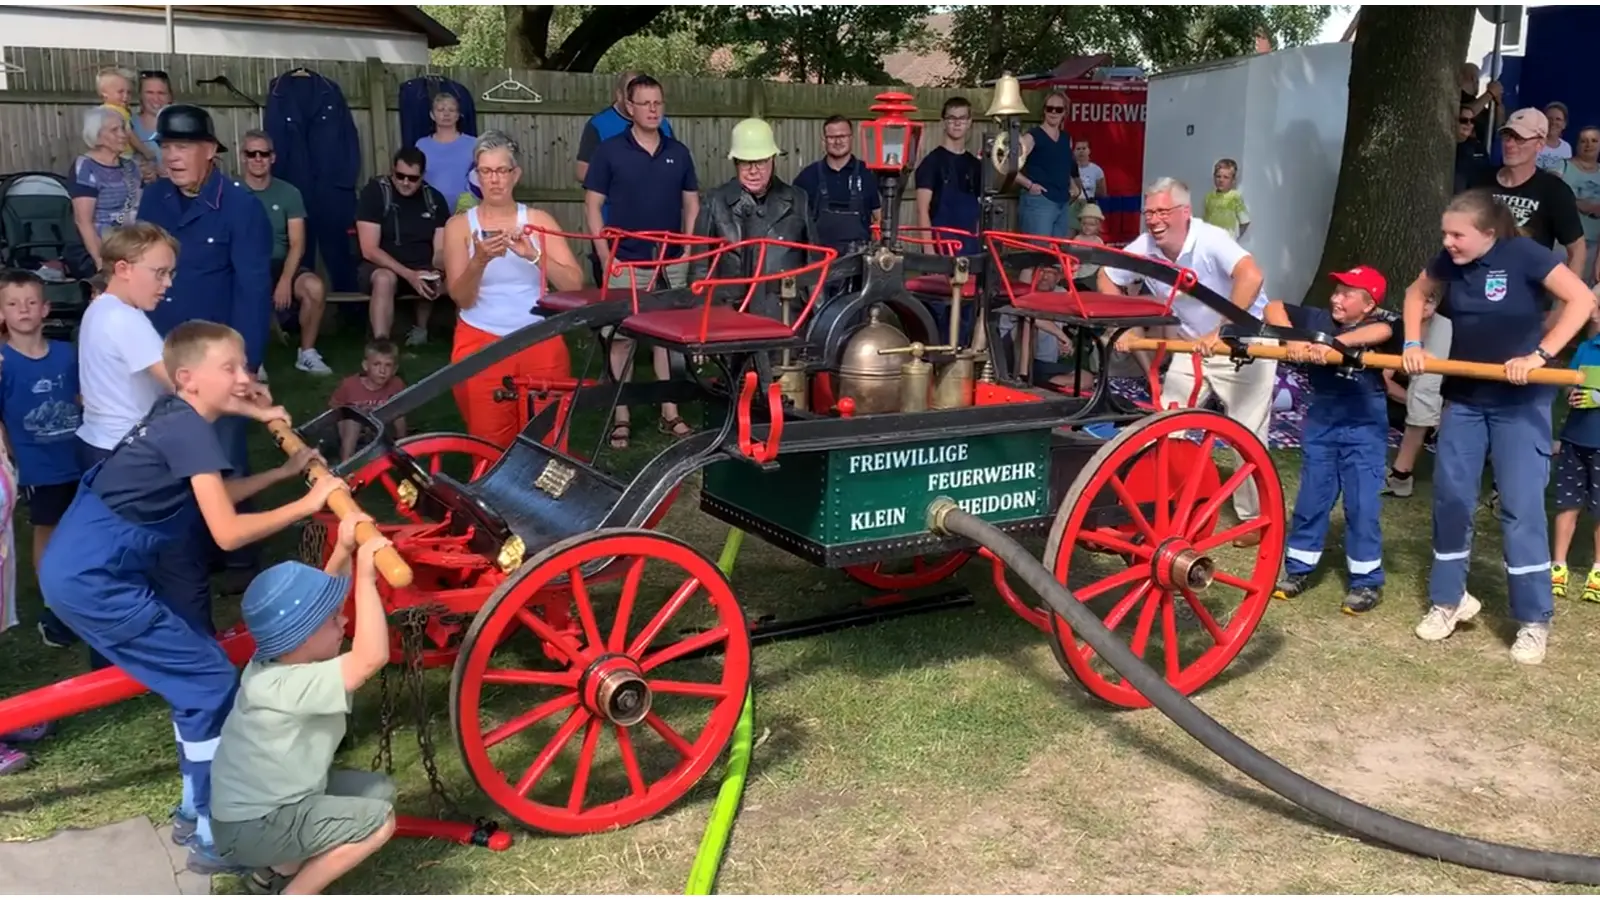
(390, 565)
(1332, 357)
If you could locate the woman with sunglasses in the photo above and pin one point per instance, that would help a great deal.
(499, 258)
(1049, 181)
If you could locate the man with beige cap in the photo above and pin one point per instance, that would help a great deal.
(1541, 201)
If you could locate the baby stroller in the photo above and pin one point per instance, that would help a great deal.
(37, 233)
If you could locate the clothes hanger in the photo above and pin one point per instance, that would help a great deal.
(223, 82)
(520, 93)
(300, 72)
(11, 68)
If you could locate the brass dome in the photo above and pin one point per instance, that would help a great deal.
(869, 379)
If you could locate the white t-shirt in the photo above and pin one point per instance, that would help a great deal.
(1091, 175)
(1552, 157)
(116, 344)
(1212, 254)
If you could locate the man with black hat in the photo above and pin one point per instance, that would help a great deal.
(224, 269)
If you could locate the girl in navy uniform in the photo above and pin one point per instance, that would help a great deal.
(1496, 287)
(100, 574)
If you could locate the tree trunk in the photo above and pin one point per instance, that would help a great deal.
(528, 36)
(1399, 143)
(599, 31)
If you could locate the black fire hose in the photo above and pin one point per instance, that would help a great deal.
(1521, 862)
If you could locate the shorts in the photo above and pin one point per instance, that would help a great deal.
(47, 503)
(290, 314)
(402, 289)
(355, 806)
(1576, 476)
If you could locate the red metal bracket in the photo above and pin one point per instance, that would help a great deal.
(760, 451)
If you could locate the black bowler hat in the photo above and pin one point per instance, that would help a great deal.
(186, 123)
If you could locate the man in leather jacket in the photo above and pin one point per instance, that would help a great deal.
(755, 203)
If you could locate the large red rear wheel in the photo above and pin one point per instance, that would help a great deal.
(636, 701)
(1169, 563)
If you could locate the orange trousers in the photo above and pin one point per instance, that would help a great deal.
(501, 421)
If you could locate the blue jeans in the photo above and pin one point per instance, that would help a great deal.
(1343, 447)
(1041, 216)
(1516, 437)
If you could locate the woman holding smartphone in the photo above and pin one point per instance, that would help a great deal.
(496, 271)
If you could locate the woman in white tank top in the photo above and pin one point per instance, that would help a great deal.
(496, 272)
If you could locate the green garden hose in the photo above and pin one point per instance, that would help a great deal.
(708, 861)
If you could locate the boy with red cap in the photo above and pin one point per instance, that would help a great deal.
(1344, 446)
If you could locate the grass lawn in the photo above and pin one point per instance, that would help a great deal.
(949, 752)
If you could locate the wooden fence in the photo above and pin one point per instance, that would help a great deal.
(41, 111)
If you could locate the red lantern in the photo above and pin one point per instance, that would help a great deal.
(891, 143)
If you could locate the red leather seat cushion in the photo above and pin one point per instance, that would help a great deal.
(940, 285)
(1090, 305)
(567, 301)
(727, 325)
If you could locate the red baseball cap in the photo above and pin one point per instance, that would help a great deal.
(1364, 278)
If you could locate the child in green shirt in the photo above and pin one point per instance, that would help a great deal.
(277, 805)
(1224, 206)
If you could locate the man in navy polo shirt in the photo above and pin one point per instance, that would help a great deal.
(842, 190)
(641, 180)
(603, 126)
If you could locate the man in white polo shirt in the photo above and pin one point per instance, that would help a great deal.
(1173, 236)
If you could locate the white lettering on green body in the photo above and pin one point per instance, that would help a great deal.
(908, 458)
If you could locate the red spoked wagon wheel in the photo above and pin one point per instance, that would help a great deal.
(638, 698)
(462, 456)
(923, 571)
(1176, 555)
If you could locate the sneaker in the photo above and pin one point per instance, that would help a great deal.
(1591, 587)
(1398, 485)
(55, 637)
(417, 336)
(1530, 644)
(29, 735)
(1441, 621)
(11, 759)
(203, 860)
(311, 361)
(1558, 580)
(183, 828)
(1360, 600)
(1291, 586)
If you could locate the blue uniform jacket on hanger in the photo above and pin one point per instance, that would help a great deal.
(416, 107)
(319, 152)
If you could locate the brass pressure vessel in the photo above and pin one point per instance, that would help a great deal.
(916, 376)
(865, 376)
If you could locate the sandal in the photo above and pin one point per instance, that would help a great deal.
(620, 441)
(266, 881)
(670, 426)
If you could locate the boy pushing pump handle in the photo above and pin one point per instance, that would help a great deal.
(394, 569)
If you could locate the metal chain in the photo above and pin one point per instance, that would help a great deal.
(412, 625)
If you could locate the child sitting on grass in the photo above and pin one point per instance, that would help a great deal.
(1345, 443)
(279, 807)
(370, 388)
(1576, 473)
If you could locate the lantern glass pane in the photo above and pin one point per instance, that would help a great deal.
(894, 145)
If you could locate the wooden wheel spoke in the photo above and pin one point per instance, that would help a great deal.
(1115, 542)
(580, 775)
(435, 463)
(1252, 526)
(688, 589)
(684, 647)
(670, 735)
(1132, 506)
(1124, 606)
(1163, 498)
(630, 761)
(480, 467)
(1207, 621)
(1142, 628)
(541, 764)
(1111, 582)
(1232, 581)
(1169, 635)
(555, 639)
(567, 679)
(1213, 506)
(529, 719)
(580, 599)
(630, 592)
(689, 689)
(1191, 485)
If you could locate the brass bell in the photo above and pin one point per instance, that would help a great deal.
(871, 380)
(1007, 98)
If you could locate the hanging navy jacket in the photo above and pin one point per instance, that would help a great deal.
(416, 108)
(319, 152)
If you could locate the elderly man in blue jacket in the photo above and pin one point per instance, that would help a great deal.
(225, 251)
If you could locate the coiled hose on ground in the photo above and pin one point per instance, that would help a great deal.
(1520, 862)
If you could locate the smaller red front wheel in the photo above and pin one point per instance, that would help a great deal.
(911, 574)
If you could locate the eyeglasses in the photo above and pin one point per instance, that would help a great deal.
(751, 165)
(257, 154)
(497, 172)
(1055, 109)
(1161, 212)
(406, 177)
(1463, 121)
(161, 274)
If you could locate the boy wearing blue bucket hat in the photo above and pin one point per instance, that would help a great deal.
(278, 806)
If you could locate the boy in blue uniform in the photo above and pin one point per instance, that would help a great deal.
(100, 574)
(1576, 472)
(1346, 438)
(39, 407)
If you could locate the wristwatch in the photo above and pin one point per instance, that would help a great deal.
(1546, 355)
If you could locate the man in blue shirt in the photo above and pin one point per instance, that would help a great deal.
(842, 190)
(603, 126)
(224, 271)
(647, 179)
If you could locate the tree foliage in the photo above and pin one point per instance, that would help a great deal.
(817, 44)
(986, 40)
(568, 37)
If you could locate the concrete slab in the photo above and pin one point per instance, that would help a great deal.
(129, 857)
